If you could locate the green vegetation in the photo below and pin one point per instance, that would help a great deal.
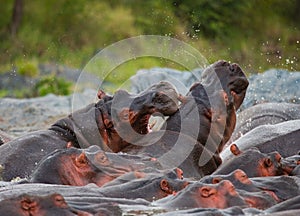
(52, 84)
(257, 34)
(27, 68)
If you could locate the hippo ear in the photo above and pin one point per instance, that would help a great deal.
(268, 162)
(101, 94)
(59, 201)
(81, 160)
(164, 185)
(28, 204)
(206, 191)
(235, 149)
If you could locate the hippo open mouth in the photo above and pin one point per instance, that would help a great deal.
(137, 109)
(126, 116)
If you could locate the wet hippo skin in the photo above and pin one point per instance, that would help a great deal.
(282, 137)
(90, 125)
(264, 114)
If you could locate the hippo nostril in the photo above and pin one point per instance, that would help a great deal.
(223, 63)
(233, 67)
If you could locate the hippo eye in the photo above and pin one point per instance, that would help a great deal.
(216, 180)
(243, 176)
(268, 162)
(101, 158)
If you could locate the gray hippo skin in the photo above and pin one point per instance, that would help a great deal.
(282, 137)
(263, 114)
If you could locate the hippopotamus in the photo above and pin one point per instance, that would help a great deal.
(82, 198)
(253, 195)
(200, 195)
(281, 188)
(80, 167)
(53, 204)
(206, 115)
(96, 124)
(263, 114)
(282, 137)
(254, 163)
(237, 177)
(150, 187)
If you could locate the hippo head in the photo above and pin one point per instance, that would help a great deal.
(79, 167)
(200, 195)
(253, 162)
(128, 115)
(238, 178)
(53, 204)
(231, 77)
(226, 86)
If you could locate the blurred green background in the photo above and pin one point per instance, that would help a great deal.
(257, 34)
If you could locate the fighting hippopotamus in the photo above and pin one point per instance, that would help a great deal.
(96, 124)
(208, 111)
(26, 205)
(254, 163)
(202, 125)
(264, 114)
(282, 137)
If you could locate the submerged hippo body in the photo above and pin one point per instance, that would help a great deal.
(264, 114)
(282, 137)
(24, 204)
(254, 163)
(83, 198)
(97, 124)
(151, 187)
(199, 195)
(80, 167)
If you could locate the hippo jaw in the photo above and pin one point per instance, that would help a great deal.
(135, 110)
